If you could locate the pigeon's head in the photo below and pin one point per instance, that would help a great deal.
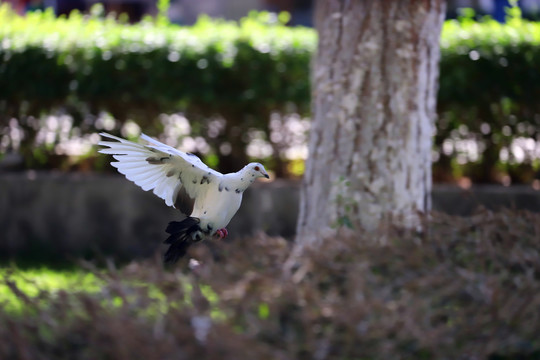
(257, 170)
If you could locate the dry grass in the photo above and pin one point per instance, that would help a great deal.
(467, 289)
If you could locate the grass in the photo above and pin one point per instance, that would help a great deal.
(38, 285)
(467, 288)
(17, 284)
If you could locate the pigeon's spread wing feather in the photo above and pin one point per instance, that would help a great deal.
(176, 177)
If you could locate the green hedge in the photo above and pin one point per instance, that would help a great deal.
(239, 71)
(490, 74)
(489, 91)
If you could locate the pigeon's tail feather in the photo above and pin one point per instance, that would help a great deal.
(182, 235)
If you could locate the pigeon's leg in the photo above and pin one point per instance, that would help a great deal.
(222, 233)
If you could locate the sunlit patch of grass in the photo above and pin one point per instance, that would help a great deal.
(17, 284)
(215, 312)
(23, 290)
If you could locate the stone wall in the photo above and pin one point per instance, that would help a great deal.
(49, 215)
(58, 216)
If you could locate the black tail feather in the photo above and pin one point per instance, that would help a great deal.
(181, 237)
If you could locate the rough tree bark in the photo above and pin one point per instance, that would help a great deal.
(374, 84)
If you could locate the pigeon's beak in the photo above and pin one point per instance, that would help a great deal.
(265, 175)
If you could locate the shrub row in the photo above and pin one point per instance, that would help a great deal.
(489, 91)
(489, 83)
(469, 288)
(241, 72)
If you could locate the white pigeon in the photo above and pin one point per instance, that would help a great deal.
(206, 197)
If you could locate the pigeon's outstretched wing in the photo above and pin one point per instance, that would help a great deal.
(177, 177)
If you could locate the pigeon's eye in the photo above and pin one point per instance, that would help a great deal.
(256, 168)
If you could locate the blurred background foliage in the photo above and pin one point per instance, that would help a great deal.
(245, 89)
(489, 113)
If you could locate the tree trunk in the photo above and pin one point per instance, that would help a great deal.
(374, 93)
